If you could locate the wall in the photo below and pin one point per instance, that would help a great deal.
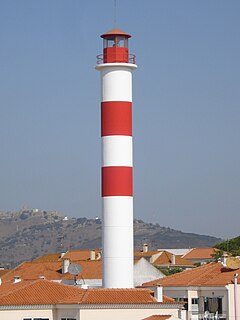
(120, 314)
(21, 314)
(231, 313)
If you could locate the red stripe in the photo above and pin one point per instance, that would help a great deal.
(116, 118)
(117, 181)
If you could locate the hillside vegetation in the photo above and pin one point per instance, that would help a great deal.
(232, 246)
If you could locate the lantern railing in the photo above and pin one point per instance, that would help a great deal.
(131, 58)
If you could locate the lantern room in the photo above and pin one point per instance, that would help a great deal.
(115, 47)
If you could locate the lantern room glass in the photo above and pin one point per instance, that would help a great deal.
(115, 41)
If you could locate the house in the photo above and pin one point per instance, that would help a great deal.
(47, 300)
(55, 267)
(57, 270)
(207, 291)
(200, 255)
(164, 259)
(167, 260)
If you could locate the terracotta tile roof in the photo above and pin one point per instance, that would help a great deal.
(78, 255)
(52, 257)
(52, 271)
(40, 292)
(158, 317)
(121, 296)
(3, 272)
(200, 253)
(212, 274)
(145, 254)
(166, 259)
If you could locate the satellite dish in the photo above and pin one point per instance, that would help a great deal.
(233, 263)
(74, 269)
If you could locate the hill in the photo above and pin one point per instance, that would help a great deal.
(28, 234)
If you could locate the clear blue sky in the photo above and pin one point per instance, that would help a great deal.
(186, 108)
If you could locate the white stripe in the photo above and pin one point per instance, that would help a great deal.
(117, 211)
(117, 242)
(117, 151)
(118, 273)
(116, 84)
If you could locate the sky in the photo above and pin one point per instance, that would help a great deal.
(186, 110)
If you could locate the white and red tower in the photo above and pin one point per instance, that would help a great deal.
(116, 66)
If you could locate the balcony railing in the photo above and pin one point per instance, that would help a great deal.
(131, 58)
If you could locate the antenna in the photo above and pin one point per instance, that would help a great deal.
(74, 269)
(115, 13)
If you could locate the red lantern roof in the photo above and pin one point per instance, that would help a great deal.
(115, 32)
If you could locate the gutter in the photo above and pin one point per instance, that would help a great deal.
(92, 306)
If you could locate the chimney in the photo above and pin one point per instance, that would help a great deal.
(17, 279)
(145, 247)
(0, 281)
(224, 259)
(62, 254)
(65, 265)
(92, 255)
(173, 259)
(98, 256)
(158, 293)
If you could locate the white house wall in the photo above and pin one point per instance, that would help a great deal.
(231, 301)
(30, 314)
(120, 314)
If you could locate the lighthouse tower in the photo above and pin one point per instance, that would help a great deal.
(116, 66)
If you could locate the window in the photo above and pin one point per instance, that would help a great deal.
(194, 300)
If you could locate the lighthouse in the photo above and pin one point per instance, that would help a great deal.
(116, 66)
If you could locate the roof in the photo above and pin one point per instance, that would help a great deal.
(73, 255)
(53, 271)
(158, 317)
(132, 296)
(115, 32)
(200, 253)
(140, 254)
(52, 257)
(3, 272)
(77, 255)
(177, 252)
(166, 259)
(209, 275)
(39, 292)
